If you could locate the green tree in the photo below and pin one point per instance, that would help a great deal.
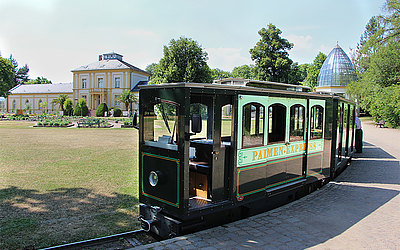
(6, 76)
(127, 97)
(377, 89)
(271, 55)
(219, 74)
(244, 71)
(60, 101)
(68, 106)
(313, 70)
(297, 73)
(20, 75)
(39, 80)
(184, 60)
(151, 68)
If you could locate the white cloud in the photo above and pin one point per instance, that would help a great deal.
(300, 42)
(227, 58)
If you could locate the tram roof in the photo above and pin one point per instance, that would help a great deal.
(270, 87)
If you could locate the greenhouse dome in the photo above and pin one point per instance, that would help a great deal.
(336, 73)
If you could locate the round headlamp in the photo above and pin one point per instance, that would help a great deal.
(153, 178)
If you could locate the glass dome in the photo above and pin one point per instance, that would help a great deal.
(337, 70)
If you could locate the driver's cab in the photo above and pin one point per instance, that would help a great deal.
(185, 147)
(210, 149)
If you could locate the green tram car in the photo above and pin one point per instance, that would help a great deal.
(214, 153)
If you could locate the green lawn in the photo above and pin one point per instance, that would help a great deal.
(59, 185)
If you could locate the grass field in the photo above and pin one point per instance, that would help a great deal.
(59, 185)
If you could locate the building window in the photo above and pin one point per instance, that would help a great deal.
(116, 102)
(14, 105)
(40, 102)
(84, 97)
(84, 85)
(117, 82)
(100, 82)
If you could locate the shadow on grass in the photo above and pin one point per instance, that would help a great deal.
(33, 219)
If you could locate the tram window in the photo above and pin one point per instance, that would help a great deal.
(317, 119)
(276, 123)
(253, 125)
(226, 127)
(296, 123)
(201, 109)
(161, 126)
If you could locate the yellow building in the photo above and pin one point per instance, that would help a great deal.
(29, 97)
(104, 81)
(101, 81)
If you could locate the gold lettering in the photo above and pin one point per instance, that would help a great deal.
(270, 151)
(275, 151)
(296, 148)
(254, 155)
(259, 155)
(281, 150)
(265, 153)
(287, 149)
(292, 146)
(301, 147)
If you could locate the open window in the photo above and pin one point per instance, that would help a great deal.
(317, 121)
(296, 123)
(276, 123)
(253, 125)
(161, 125)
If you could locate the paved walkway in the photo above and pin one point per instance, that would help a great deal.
(359, 210)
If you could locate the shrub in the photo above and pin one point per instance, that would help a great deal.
(117, 112)
(81, 108)
(101, 109)
(68, 106)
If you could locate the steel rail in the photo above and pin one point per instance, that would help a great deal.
(94, 241)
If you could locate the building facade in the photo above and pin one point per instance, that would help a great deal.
(37, 98)
(101, 81)
(105, 80)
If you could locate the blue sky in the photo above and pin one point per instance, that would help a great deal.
(54, 36)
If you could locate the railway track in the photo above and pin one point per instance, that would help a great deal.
(116, 241)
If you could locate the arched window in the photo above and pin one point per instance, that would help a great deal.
(297, 123)
(40, 102)
(276, 123)
(14, 105)
(317, 121)
(253, 125)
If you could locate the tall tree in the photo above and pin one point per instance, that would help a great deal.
(377, 88)
(6, 76)
(313, 70)
(271, 55)
(20, 74)
(184, 61)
